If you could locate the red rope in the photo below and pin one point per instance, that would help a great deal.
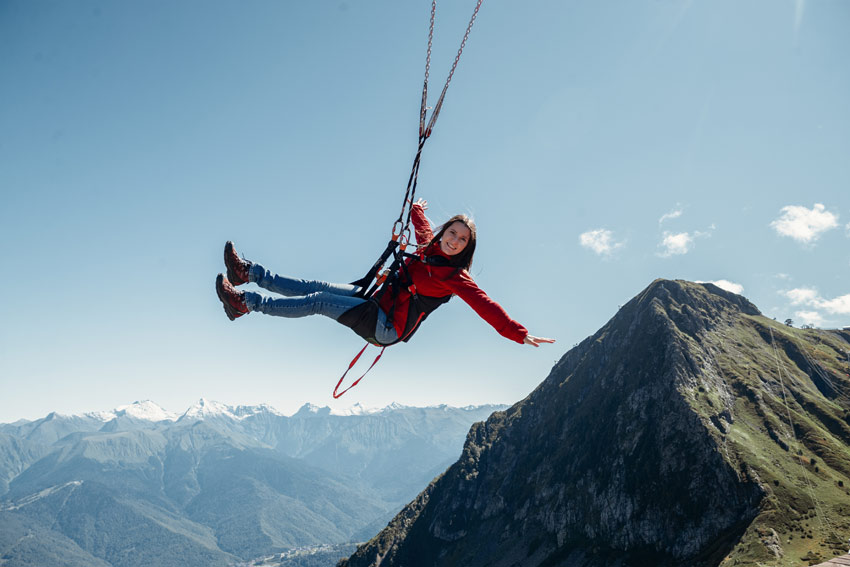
(351, 365)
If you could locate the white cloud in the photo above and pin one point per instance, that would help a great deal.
(839, 306)
(600, 241)
(676, 244)
(848, 228)
(809, 318)
(804, 225)
(728, 286)
(674, 214)
(811, 298)
(802, 296)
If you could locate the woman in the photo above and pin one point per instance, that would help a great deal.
(440, 270)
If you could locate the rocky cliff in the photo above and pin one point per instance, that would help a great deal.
(689, 430)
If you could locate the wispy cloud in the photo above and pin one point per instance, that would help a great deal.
(601, 241)
(678, 243)
(674, 214)
(839, 305)
(675, 244)
(810, 297)
(799, 10)
(727, 285)
(804, 225)
(810, 318)
(802, 296)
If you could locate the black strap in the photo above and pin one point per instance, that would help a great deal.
(366, 280)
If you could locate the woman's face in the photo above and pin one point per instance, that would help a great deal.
(455, 239)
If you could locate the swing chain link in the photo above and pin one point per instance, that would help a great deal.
(424, 107)
(430, 40)
(463, 43)
(425, 131)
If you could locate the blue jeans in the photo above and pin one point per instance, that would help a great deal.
(309, 297)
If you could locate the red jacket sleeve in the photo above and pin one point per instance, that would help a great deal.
(465, 287)
(421, 226)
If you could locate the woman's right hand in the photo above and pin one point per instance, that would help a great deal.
(422, 203)
(536, 341)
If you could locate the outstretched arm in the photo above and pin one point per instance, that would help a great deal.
(465, 288)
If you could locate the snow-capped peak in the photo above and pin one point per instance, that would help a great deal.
(356, 409)
(312, 410)
(145, 410)
(208, 408)
(241, 412)
(359, 409)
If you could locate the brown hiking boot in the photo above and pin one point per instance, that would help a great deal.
(237, 268)
(231, 298)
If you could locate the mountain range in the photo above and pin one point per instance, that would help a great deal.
(214, 485)
(690, 430)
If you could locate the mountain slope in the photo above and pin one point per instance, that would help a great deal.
(663, 439)
(214, 485)
(25, 543)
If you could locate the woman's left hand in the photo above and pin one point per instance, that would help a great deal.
(536, 341)
(422, 203)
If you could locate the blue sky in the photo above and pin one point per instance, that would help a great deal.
(599, 145)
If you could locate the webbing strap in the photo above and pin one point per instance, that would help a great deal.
(364, 282)
(351, 365)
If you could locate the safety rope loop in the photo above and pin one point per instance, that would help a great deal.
(336, 393)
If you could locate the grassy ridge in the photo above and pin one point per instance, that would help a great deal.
(788, 427)
(689, 430)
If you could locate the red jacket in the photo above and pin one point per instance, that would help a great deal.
(441, 281)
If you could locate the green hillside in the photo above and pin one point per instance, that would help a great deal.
(689, 430)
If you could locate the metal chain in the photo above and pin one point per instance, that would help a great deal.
(424, 107)
(425, 132)
(439, 105)
(463, 43)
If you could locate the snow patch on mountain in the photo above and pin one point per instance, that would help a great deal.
(145, 410)
(206, 409)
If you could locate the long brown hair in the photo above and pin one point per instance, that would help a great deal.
(463, 260)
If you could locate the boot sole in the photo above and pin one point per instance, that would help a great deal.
(232, 276)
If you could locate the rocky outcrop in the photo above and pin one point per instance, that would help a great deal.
(642, 447)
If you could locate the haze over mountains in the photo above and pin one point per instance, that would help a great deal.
(214, 485)
(689, 430)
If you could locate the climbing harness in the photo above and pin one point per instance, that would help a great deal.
(401, 235)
